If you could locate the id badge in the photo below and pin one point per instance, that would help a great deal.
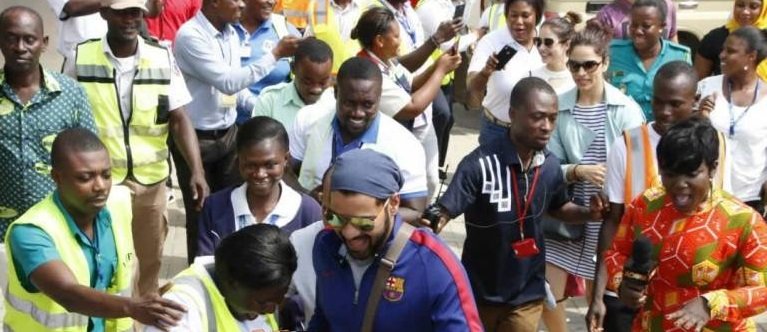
(525, 248)
(227, 101)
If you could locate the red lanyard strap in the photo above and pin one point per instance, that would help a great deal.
(522, 213)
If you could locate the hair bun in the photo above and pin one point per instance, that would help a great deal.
(354, 34)
(572, 18)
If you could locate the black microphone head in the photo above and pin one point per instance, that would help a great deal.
(641, 254)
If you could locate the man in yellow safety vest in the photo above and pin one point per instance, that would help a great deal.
(71, 255)
(241, 288)
(137, 95)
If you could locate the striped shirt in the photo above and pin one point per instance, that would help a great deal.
(577, 257)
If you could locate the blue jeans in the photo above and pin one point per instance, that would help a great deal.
(490, 131)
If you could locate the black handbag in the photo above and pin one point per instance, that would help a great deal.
(555, 229)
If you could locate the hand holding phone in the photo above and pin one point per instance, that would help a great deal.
(506, 53)
(458, 13)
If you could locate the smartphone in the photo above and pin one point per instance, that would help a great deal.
(506, 53)
(459, 11)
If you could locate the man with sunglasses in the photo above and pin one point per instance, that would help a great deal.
(426, 290)
(504, 188)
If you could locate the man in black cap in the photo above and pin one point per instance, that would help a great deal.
(375, 272)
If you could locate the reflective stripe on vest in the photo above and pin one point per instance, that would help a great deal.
(27, 311)
(144, 153)
(496, 17)
(280, 25)
(641, 163)
(325, 28)
(200, 288)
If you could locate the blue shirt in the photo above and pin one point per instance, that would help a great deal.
(481, 189)
(628, 73)
(210, 62)
(26, 136)
(370, 135)
(33, 247)
(427, 289)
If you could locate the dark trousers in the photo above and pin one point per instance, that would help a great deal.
(618, 316)
(218, 154)
(442, 119)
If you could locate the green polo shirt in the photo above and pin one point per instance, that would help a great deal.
(27, 131)
(280, 102)
(628, 74)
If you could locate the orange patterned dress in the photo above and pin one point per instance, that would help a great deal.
(719, 253)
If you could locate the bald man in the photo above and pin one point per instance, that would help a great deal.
(35, 105)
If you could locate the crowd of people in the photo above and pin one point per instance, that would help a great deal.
(309, 141)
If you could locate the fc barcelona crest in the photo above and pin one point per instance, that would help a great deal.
(394, 288)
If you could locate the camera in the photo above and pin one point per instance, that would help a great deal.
(432, 214)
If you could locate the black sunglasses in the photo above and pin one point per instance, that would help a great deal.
(545, 41)
(576, 66)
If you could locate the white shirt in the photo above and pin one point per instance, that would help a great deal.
(392, 140)
(346, 17)
(304, 279)
(283, 213)
(411, 33)
(191, 321)
(75, 30)
(561, 81)
(125, 69)
(433, 12)
(748, 147)
(501, 82)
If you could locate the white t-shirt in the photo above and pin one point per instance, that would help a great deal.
(304, 279)
(616, 168)
(392, 140)
(561, 81)
(283, 213)
(501, 82)
(748, 147)
(191, 321)
(76, 30)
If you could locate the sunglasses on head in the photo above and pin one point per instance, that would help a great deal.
(548, 42)
(365, 224)
(576, 66)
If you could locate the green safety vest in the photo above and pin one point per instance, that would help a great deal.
(196, 284)
(25, 311)
(137, 146)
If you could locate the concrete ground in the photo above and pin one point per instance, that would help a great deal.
(463, 140)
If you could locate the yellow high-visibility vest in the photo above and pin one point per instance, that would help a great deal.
(641, 163)
(325, 27)
(196, 284)
(138, 145)
(25, 311)
(497, 16)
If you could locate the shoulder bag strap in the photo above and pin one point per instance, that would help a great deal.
(385, 267)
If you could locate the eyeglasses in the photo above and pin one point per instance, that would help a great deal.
(576, 66)
(548, 42)
(365, 224)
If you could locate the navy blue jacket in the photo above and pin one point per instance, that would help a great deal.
(427, 291)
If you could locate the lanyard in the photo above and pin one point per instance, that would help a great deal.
(733, 120)
(400, 80)
(522, 212)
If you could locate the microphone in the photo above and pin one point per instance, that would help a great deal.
(638, 267)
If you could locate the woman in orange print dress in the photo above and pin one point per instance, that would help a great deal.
(710, 249)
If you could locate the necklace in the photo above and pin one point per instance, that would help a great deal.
(733, 120)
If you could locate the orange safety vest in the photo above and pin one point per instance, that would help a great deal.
(641, 163)
(296, 12)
